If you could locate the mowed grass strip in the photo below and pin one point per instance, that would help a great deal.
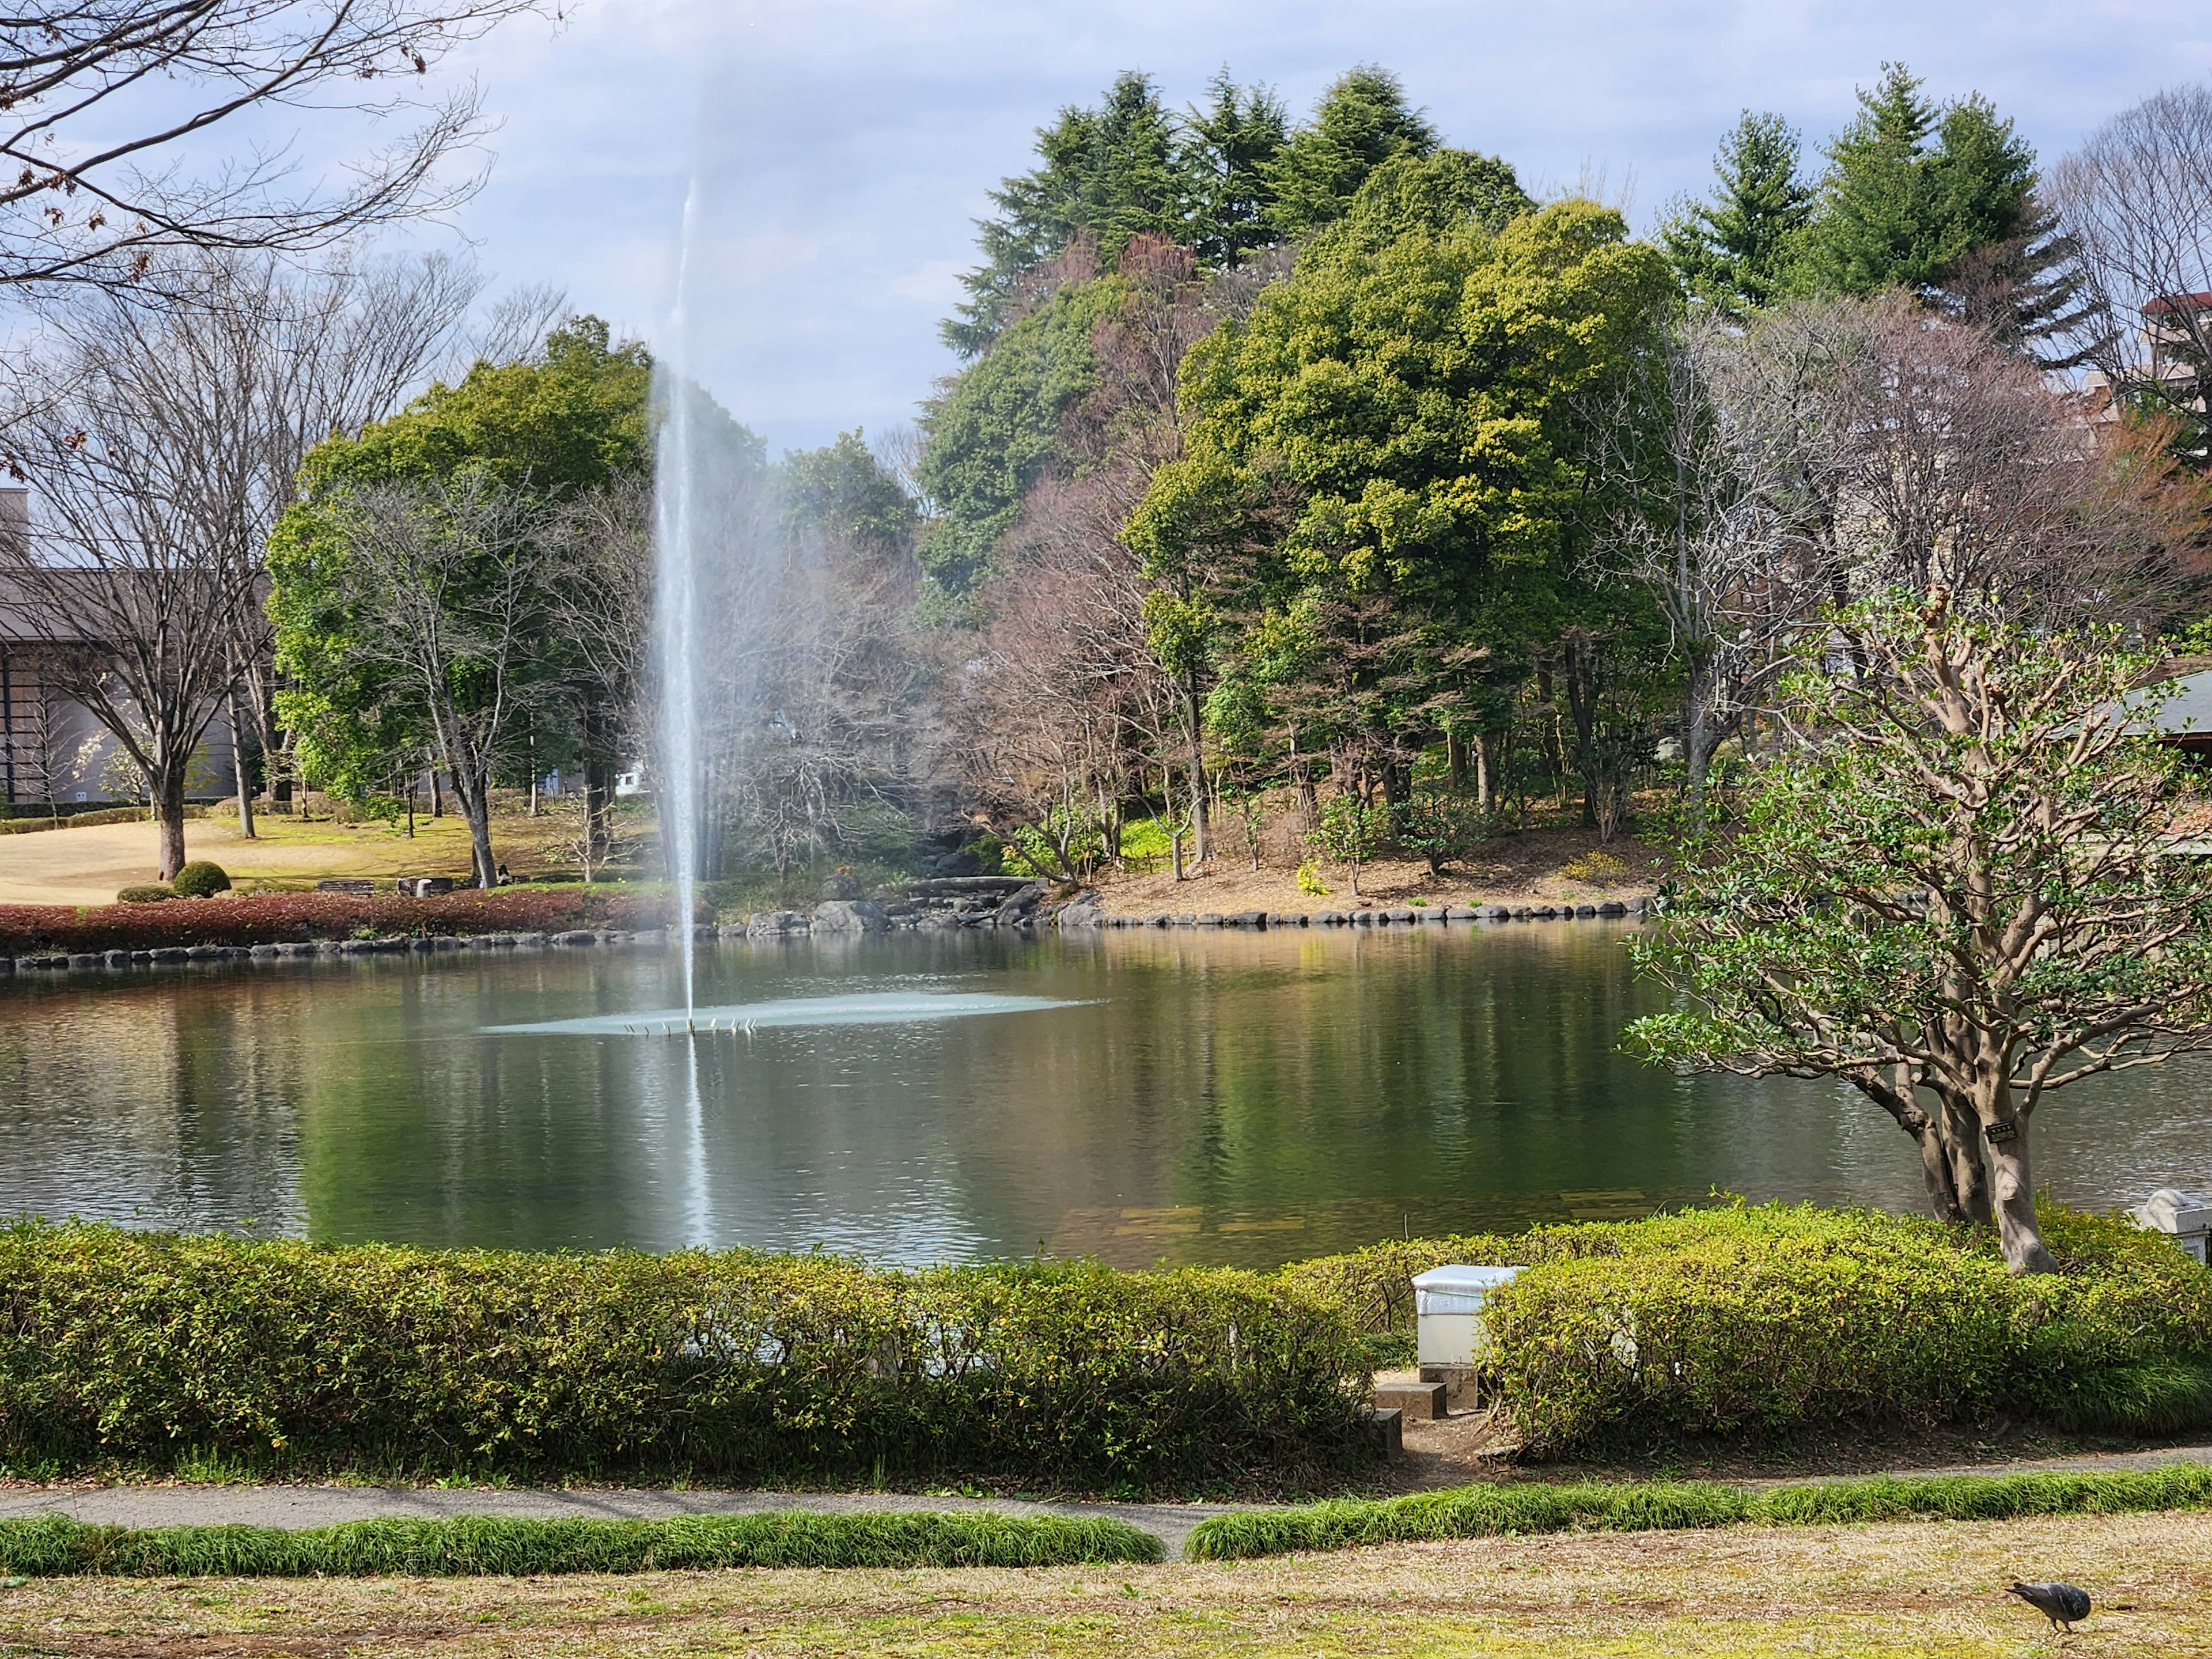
(1745, 1592)
(478, 1546)
(1491, 1512)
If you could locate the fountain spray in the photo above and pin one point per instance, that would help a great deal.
(675, 553)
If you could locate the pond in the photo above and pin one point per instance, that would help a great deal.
(1142, 1096)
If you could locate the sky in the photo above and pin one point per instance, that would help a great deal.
(842, 149)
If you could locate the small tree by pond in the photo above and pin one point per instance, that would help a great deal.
(1352, 830)
(2004, 774)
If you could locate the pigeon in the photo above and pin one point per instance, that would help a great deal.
(2061, 1604)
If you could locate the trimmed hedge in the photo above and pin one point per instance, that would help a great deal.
(149, 1350)
(146, 892)
(276, 918)
(1768, 1320)
(470, 1546)
(1654, 1506)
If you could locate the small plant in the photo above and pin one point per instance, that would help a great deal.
(1351, 831)
(1311, 884)
(145, 893)
(1595, 869)
(201, 880)
(1440, 826)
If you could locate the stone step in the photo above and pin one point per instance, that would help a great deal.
(1422, 1402)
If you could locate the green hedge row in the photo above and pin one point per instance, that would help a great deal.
(1494, 1511)
(53, 1546)
(149, 1350)
(1767, 1320)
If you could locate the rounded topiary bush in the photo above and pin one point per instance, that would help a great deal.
(146, 892)
(201, 880)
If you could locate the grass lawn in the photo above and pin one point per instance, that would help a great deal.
(1916, 1589)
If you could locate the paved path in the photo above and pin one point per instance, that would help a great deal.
(323, 1506)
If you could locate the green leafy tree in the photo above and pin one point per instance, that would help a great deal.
(1361, 121)
(1957, 893)
(1384, 471)
(1911, 188)
(452, 495)
(1352, 830)
(995, 433)
(841, 488)
(1734, 251)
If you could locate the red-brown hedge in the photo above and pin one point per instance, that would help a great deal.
(276, 918)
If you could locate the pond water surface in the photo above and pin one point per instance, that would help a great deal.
(1140, 1095)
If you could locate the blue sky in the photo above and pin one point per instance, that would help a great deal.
(843, 146)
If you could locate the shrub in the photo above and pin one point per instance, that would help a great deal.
(1767, 1320)
(201, 880)
(1311, 884)
(51, 1546)
(1491, 1512)
(150, 1349)
(1595, 869)
(146, 892)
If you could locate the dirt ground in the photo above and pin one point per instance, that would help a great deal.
(87, 865)
(1514, 869)
(1744, 1592)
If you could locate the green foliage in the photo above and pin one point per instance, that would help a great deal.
(1227, 146)
(1109, 174)
(201, 878)
(1736, 251)
(572, 419)
(1767, 1320)
(145, 893)
(1311, 884)
(472, 1546)
(147, 1349)
(1440, 824)
(996, 431)
(1531, 1508)
(843, 489)
(1361, 121)
(1910, 189)
(1351, 830)
(1385, 468)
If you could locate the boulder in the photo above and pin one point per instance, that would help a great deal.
(1329, 918)
(1585, 910)
(1082, 915)
(850, 915)
(1210, 919)
(1403, 913)
(766, 924)
(1246, 919)
(1367, 918)
(81, 960)
(117, 958)
(1285, 919)
(575, 936)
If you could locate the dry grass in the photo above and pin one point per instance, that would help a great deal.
(88, 865)
(1861, 1591)
(1526, 868)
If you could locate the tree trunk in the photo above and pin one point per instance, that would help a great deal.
(1485, 772)
(2018, 1235)
(1455, 759)
(238, 765)
(1970, 1174)
(1697, 733)
(1194, 715)
(168, 793)
(476, 807)
(437, 796)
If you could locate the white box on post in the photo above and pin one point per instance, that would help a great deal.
(2185, 1216)
(1447, 1315)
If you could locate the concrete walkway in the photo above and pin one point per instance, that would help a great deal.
(323, 1506)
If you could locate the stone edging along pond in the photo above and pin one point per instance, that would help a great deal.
(833, 918)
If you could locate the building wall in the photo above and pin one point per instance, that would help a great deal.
(53, 750)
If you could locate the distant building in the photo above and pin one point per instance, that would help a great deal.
(51, 749)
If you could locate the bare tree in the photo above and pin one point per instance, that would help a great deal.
(1714, 526)
(2136, 198)
(161, 442)
(601, 586)
(442, 593)
(98, 97)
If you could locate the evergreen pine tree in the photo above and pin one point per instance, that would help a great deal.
(1113, 172)
(1226, 148)
(1735, 249)
(1361, 122)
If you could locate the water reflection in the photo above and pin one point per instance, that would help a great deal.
(1142, 1096)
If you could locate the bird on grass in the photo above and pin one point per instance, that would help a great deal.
(2061, 1604)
